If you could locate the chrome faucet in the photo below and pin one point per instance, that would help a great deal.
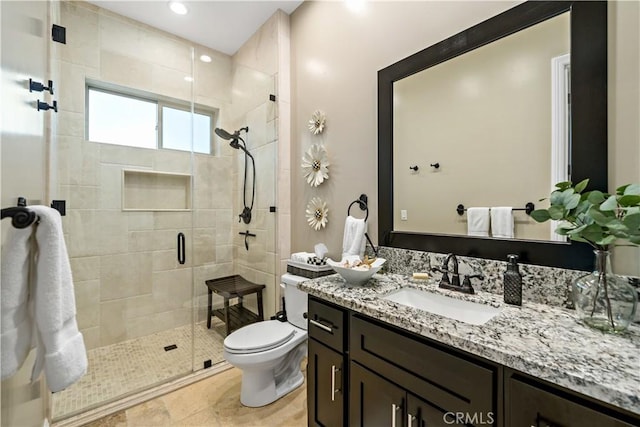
(454, 283)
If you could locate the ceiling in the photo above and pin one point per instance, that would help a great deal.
(221, 25)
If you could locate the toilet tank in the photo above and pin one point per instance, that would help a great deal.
(295, 300)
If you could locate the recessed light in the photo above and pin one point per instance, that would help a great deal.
(188, 78)
(205, 58)
(178, 7)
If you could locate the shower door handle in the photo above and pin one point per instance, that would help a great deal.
(181, 248)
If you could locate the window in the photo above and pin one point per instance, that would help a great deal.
(121, 116)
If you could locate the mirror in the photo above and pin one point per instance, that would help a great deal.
(412, 134)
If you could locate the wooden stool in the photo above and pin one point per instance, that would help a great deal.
(234, 316)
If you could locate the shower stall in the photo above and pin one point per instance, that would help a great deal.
(153, 196)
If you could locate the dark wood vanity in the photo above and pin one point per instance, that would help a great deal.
(364, 372)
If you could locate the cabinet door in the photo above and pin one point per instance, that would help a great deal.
(374, 401)
(532, 406)
(422, 414)
(325, 390)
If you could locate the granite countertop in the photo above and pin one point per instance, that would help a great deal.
(543, 341)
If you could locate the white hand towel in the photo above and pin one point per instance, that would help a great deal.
(302, 256)
(16, 323)
(478, 221)
(502, 222)
(353, 241)
(61, 350)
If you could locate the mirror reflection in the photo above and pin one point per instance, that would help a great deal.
(495, 120)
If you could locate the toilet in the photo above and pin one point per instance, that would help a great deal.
(269, 353)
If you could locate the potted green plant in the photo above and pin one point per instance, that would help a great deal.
(602, 300)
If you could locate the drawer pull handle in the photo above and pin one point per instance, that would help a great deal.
(333, 382)
(394, 409)
(321, 326)
(410, 419)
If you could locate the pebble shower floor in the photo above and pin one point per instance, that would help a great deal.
(134, 365)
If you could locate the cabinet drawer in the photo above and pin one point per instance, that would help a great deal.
(326, 324)
(441, 377)
(535, 407)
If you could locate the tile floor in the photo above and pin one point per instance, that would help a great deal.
(131, 366)
(212, 402)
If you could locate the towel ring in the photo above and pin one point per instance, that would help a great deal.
(362, 203)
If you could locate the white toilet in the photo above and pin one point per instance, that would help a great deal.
(269, 353)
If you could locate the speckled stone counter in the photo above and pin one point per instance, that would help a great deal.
(541, 340)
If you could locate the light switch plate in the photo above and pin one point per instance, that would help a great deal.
(403, 214)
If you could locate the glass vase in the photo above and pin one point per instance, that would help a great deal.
(603, 300)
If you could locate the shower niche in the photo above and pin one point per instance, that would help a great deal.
(155, 191)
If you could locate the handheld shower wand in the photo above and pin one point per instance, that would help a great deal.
(235, 143)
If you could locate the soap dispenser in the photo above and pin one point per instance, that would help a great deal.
(512, 281)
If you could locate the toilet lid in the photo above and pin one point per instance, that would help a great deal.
(259, 336)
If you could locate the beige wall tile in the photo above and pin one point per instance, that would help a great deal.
(260, 52)
(80, 197)
(87, 303)
(126, 71)
(82, 45)
(71, 88)
(172, 161)
(129, 156)
(70, 124)
(82, 227)
(125, 275)
(167, 260)
(204, 246)
(112, 232)
(140, 221)
(172, 220)
(172, 289)
(91, 337)
(204, 218)
(78, 161)
(112, 321)
(169, 82)
(111, 187)
(85, 268)
(224, 254)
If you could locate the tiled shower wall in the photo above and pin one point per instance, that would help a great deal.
(128, 282)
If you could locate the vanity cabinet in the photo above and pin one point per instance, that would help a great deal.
(365, 372)
(327, 365)
(531, 403)
(374, 401)
(398, 379)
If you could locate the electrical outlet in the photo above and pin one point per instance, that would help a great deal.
(403, 214)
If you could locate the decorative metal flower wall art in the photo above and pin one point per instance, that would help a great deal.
(315, 165)
(316, 124)
(317, 213)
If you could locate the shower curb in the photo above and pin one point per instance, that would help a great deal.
(141, 397)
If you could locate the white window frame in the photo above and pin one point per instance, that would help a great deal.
(160, 101)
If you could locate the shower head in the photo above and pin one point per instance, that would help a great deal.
(226, 135)
(234, 138)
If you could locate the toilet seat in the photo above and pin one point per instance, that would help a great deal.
(258, 337)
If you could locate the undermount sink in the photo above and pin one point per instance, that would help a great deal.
(463, 311)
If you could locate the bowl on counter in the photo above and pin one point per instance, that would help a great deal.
(356, 275)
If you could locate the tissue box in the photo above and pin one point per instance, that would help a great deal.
(309, 271)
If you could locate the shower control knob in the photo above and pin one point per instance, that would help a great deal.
(305, 315)
(414, 168)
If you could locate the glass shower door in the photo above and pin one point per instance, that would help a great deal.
(126, 172)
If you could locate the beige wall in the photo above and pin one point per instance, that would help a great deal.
(336, 71)
(336, 54)
(485, 117)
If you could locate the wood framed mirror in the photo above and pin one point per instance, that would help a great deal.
(587, 125)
